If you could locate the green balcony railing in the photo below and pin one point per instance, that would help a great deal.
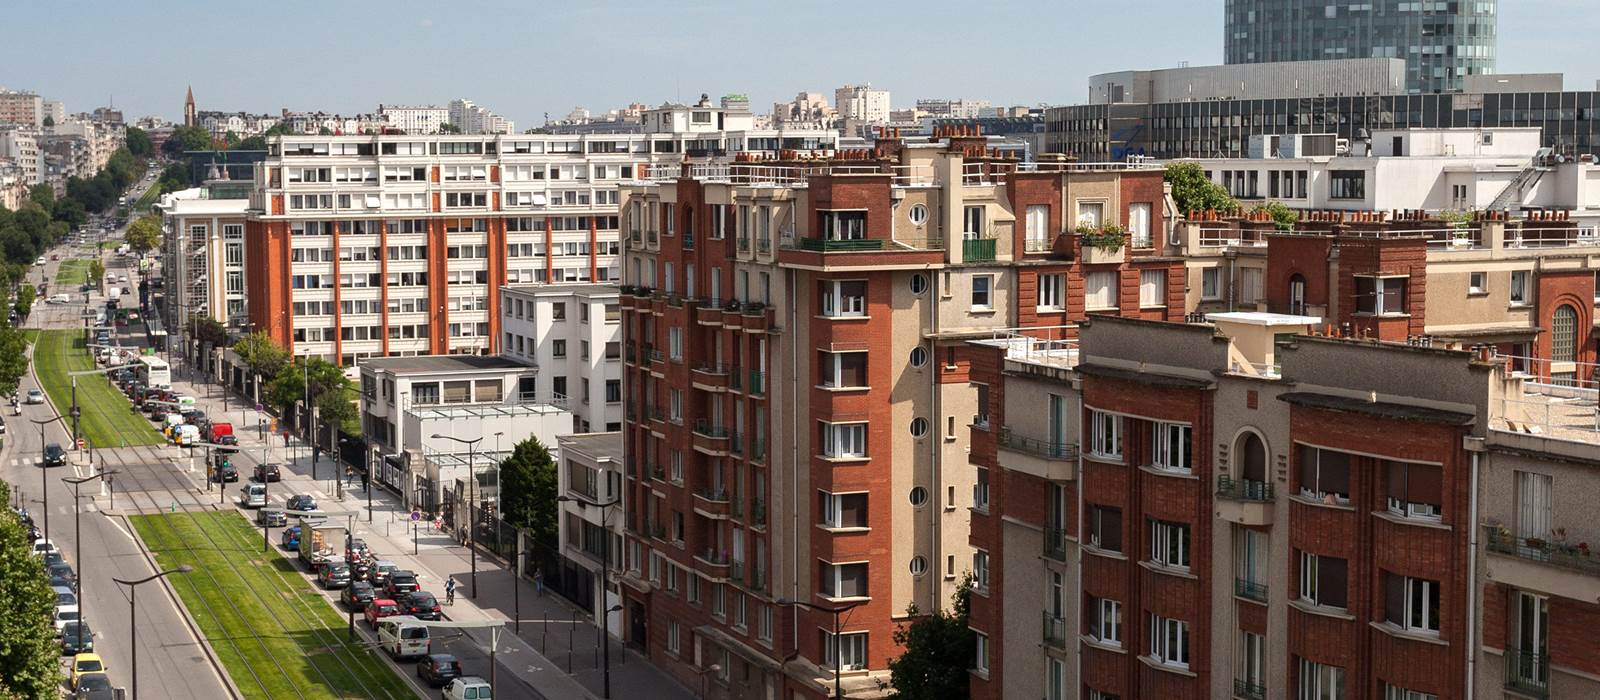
(1232, 489)
(1055, 631)
(1055, 543)
(977, 249)
(831, 245)
(1250, 691)
(1528, 672)
(1575, 557)
(1250, 590)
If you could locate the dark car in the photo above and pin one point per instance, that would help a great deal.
(61, 570)
(438, 669)
(334, 575)
(420, 604)
(198, 419)
(401, 581)
(52, 558)
(271, 517)
(266, 472)
(92, 686)
(301, 502)
(158, 413)
(54, 456)
(224, 471)
(290, 537)
(228, 440)
(76, 638)
(356, 595)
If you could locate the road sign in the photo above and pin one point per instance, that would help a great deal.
(82, 443)
(258, 408)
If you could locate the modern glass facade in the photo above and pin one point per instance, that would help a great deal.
(1440, 40)
(1222, 128)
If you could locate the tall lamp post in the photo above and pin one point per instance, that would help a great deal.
(77, 526)
(605, 576)
(838, 671)
(472, 487)
(133, 615)
(44, 470)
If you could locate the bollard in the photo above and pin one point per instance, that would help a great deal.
(173, 508)
(570, 624)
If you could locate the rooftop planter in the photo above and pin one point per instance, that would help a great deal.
(1104, 244)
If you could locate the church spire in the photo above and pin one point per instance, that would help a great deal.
(190, 116)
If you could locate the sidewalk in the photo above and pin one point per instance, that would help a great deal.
(556, 638)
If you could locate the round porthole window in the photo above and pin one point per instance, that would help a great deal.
(919, 566)
(918, 214)
(919, 495)
(919, 356)
(919, 427)
(919, 283)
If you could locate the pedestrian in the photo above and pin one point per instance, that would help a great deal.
(349, 475)
(538, 581)
(366, 483)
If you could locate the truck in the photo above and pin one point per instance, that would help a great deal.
(320, 543)
(220, 433)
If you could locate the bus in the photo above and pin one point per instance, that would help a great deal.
(153, 371)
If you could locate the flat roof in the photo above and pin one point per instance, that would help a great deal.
(600, 446)
(1262, 318)
(563, 289)
(428, 364)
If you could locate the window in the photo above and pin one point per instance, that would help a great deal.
(1297, 294)
(1249, 285)
(1100, 290)
(1105, 528)
(1139, 225)
(1347, 184)
(1037, 228)
(843, 298)
(980, 652)
(675, 343)
(1564, 334)
(1478, 283)
(980, 570)
(844, 439)
(918, 214)
(1519, 286)
(1414, 490)
(1250, 564)
(1052, 292)
(1169, 544)
(672, 633)
(972, 222)
(1530, 630)
(1169, 641)
(1252, 663)
(1091, 214)
(841, 510)
(1105, 435)
(982, 292)
(1391, 692)
(1324, 475)
(1380, 295)
(1211, 283)
(558, 348)
(1320, 681)
(1105, 621)
(843, 225)
(848, 651)
(1152, 288)
(1412, 604)
(1322, 580)
(1171, 448)
(843, 580)
(1533, 505)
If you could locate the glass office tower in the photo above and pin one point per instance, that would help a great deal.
(1441, 41)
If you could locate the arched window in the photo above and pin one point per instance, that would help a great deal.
(1297, 295)
(1564, 334)
(1251, 456)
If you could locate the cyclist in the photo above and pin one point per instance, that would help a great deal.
(450, 591)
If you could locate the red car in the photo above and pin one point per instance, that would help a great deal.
(380, 608)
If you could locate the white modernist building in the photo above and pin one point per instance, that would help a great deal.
(589, 476)
(202, 256)
(20, 146)
(573, 334)
(415, 120)
(862, 104)
(473, 119)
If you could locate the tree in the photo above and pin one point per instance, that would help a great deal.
(1284, 217)
(49, 120)
(25, 298)
(528, 491)
(448, 128)
(43, 195)
(13, 359)
(186, 138)
(29, 656)
(939, 649)
(139, 143)
(249, 143)
(324, 131)
(264, 357)
(97, 271)
(1194, 192)
(144, 235)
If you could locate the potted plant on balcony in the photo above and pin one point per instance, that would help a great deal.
(1106, 242)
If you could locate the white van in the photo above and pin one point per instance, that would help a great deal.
(403, 636)
(186, 435)
(467, 688)
(253, 496)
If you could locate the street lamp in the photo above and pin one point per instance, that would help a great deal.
(605, 576)
(838, 669)
(44, 483)
(472, 487)
(133, 615)
(707, 671)
(77, 526)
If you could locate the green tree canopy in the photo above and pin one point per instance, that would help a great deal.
(939, 649)
(187, 138)
(1282, 216)
(43, 195)
(13, 358)
(264, 357)
(249, 143)
(97, 271)
(29, 657)
(1194, 192)
(25, 298)
(138, 142)
(331, 392)
(144, 234)
(528, 491)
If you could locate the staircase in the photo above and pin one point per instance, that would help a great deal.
(1519, 185)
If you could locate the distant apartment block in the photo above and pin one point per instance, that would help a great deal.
(23, 109)
(862, 104)
(473, 119)
(415, 120)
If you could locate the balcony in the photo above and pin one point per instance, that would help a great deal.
(1249, 691)
(1055, 543)
(758, 580)
(712, 562)
(1528, 672)
(834, 245)
(657, 357)
(758, 384)
(1055, 631)
(758, 512)
(736, 571)
(1046, 459)
(630, 354)
(1244, 501)
(710, 439)
(744, 244)
(656, 413)
(1536, 564)
(658, 532)
(977, 250)
(710, 376)
(758, 451)
(712, 502)
(735, 442)
(1250, 590)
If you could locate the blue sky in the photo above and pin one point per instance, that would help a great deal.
(525, 59)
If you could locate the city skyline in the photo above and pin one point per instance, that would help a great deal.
(149, 77)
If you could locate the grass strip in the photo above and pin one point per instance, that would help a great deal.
(72, 273)
(105, 419)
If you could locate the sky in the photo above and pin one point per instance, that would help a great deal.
(531, 58)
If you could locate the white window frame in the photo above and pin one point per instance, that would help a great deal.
(1519, 287)
(1100, 291)
(1252, 658)
(1320, 681)
(1107, 628)
(1169, 544)
(980, 653)
(1418, 618)
(980, 570)
(1170, 448)
(1169, 641)
(986, 302)
(836, 305)
(1477, 283)
(845, 440)
(1152, 288)
(1211, 284)
(852, 655)
(1105, 435)
(1052, 291)
(1139, 225)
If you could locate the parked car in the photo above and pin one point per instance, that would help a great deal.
(290, 537)
(419, 604)
(401, 581)
(34, 397)
(378, 609)
(253, 495)
(357, 550)
(268, 472)
(65, 596)
(438, 669)
(468, 688)
(65, 616)
(76, 638)
(94, 686)
(61, 570)
(86, 663)
(271, 516)
(356, 595)
(301, 502)
(43, 547)
(334, 575)
(381, 570)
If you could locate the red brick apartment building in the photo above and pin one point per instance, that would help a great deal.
(1237, 508)
(799, 387)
